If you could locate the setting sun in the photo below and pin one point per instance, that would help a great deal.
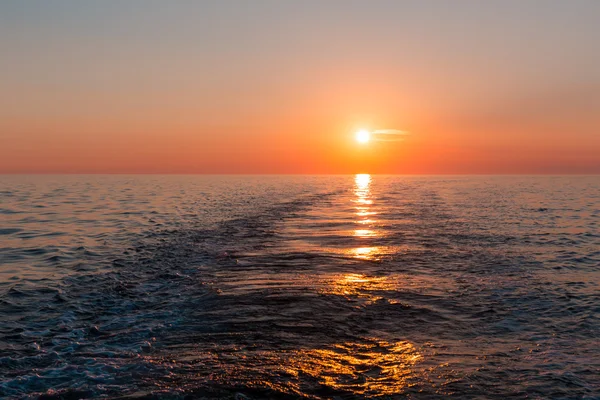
(362, 136)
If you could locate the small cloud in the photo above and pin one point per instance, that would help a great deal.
(389, 135)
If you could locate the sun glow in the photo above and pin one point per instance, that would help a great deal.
(363, 136)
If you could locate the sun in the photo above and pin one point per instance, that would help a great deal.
(363, 136)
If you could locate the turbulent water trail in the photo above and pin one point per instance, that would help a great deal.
(86, 334)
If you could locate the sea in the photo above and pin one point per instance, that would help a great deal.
(301, 287)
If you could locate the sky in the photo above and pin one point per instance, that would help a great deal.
(147, 86)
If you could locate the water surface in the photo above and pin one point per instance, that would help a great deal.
(334, 287)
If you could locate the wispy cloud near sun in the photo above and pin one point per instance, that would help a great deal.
(389, 135)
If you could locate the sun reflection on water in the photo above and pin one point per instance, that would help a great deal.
(364, 217)
(364, 252)
(364, 212)
(365, 221)
(362, 181)
(373, 368)
(364, 233)
(360, 285)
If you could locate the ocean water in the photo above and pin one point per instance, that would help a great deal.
(317, 287)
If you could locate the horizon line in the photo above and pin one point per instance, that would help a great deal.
(308, 174)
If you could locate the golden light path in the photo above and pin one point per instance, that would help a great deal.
(365, 253)
(362, 184)
(363, 211)
(373, 367)
(357, 362)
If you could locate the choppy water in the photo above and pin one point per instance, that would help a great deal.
(311, 287)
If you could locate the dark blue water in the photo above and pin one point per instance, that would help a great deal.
(334, 287)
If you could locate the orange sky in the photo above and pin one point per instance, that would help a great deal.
(282, 88)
